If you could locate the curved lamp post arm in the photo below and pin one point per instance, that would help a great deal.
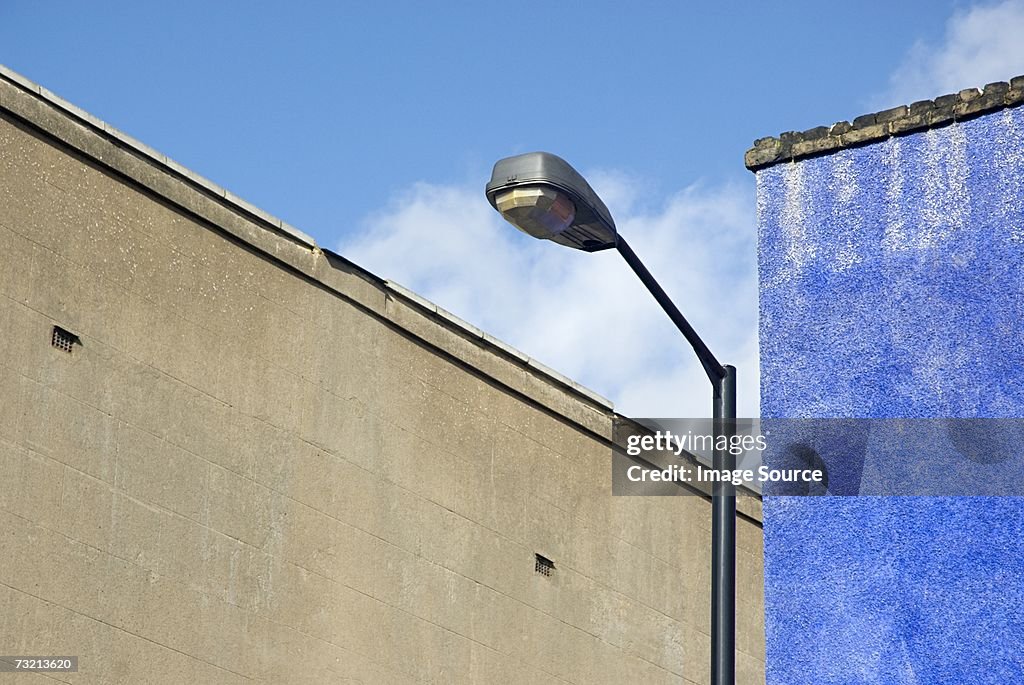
(712, 367)
(723, 494)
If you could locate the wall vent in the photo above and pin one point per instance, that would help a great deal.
(63, 339)
(543, 565)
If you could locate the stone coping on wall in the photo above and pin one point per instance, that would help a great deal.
(269, 222)
(870, 128)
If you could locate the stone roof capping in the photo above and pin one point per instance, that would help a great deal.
(110, 148)
(871, 128)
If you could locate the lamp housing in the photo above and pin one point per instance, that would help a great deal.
(542, 195)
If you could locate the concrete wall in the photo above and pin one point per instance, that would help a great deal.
(263, 464)
(892, 285)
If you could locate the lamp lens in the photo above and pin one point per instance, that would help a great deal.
(541, 211)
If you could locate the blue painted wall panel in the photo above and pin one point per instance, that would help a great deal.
(892, 285)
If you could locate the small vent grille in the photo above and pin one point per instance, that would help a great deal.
(543, 565)
(62, 339)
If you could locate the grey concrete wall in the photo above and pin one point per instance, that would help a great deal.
(263, 464)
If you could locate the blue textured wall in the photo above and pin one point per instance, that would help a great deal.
(892, 285)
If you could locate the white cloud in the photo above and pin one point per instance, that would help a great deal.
(587, 315)
(982, 44)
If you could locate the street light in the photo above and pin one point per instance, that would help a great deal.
(543, 196)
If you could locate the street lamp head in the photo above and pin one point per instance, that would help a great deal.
(542, 195)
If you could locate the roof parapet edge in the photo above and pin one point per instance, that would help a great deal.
(144, 150)
(487, 339)
(245, 207)
(870, 128)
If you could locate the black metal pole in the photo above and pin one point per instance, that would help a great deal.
(723, 495)
(723, 538)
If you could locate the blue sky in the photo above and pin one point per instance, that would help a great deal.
(373, 127)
